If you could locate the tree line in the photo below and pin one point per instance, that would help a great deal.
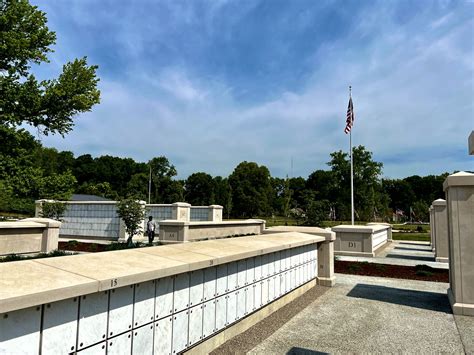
(30, 171)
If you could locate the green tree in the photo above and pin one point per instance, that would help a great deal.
(369, 198)
(251, 190)
(317, 212)
(49, 105)
(162, 172)
(57, 186)
(223, 195)
(199, 189)
(132, 214)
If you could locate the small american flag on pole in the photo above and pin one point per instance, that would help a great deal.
(349, 117)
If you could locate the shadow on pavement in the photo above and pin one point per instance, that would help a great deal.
(303, 351)
(418, 299)
(410, 257)
(426, 250)
(414, 243)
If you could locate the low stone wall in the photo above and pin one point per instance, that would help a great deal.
(360, 240)
(161, 300)
(98, 220)
(32, 235)
(178, 231)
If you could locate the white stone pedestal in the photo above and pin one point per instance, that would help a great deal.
(459, 189)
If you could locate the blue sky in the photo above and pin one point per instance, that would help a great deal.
(209, 84)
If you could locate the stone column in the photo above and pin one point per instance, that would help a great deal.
(459, 189)
(172, 231)
(181, 211)
(441, 230)
(432, 231)
(326, 261)
(215, 213)
(39, 207)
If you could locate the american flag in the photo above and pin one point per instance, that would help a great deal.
(349, 117)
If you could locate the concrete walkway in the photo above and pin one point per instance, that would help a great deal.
(399, 252)
(371, 315)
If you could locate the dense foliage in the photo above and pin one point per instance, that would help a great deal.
(49, 105)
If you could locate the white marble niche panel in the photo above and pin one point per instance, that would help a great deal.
(20, 330)
(258, 294)
(271, 288)
(297, 276)
(249, 299)
(120, 345)
(265, 265)
(221, 279)
(164, 297)
(60, 326)
(180, 331)
(241, 307)
(163, 336)
(250, 273)
(293, 278)
(265, 294)
(221, 312)
(144, 303)
(210, 283)
(277, 262)
(93, 318)
(241, 273)
(209, 318)
(196, 289)
(287, 276)
(258, 268)
(120, 310)
(181, 292)
(231, 276)
(271, 264)
(195, 324)
(143, 340)
(231, 307)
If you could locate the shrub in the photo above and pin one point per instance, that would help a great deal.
(132, 213)
(54, 210)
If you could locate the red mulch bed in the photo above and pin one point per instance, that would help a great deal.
(85, 247)
(419, 272)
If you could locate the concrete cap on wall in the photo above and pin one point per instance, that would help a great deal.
(181, 204)
(459, 179)
(48, 222)
(359, 228)
(219, 207)
(439, 202)
(326, 233)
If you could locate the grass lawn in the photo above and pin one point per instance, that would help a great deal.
(419, 237)
(412, 227)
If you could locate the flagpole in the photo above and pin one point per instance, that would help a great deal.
(149, 187)
(352, 168)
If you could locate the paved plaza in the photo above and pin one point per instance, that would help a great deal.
(366, 315)
(401, 252)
